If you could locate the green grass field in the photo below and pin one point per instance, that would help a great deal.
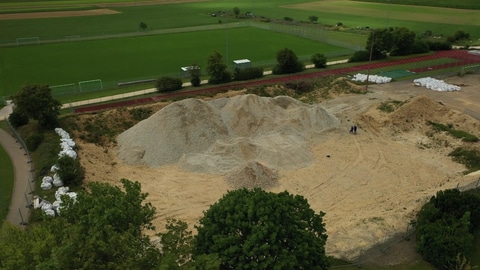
(136, 58)
(143, 57)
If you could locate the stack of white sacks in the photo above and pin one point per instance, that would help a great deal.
(67, 145)
(359, 77)
(437, 85)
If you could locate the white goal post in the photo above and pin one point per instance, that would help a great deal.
(91, 85)
(27, 40)
(63, 89)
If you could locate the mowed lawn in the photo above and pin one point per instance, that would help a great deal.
(145, 57)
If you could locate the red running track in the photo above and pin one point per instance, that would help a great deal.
(462, 58)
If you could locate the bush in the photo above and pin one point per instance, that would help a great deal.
(420, 46)
(287, 62)
(18, 119)
(247, 73)
(469, 158)
(195, 81)
(70, 171)
(34, 141)
(439, 45)
(360, 56)
(165, 84)
(300, 87)
(319, 60)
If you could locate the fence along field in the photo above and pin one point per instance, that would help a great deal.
(137, 58)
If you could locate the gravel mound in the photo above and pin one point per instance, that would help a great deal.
(218, 135)
(251, 175)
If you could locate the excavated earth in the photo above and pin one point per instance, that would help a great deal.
(189, 153)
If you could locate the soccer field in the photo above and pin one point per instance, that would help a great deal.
(175, 35)
(146, 57)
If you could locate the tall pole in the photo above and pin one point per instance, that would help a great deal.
(226, 39)
(370, 60)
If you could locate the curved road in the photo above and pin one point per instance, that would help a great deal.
(18, 213)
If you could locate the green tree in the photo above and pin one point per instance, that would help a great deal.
(287, 62)
(382, 40)
(70, 171)
(36, 101)
(143, 26)
(445, 226)
(255, 229)
(312, 19)
(104, 229)
(236, 11)
(319, 60)
(217, 69)
(195, 73)
(403, 41)
(18, 118)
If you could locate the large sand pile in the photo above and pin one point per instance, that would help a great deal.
(219, 135)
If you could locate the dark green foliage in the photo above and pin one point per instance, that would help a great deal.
(287, 62)
(288, 19)
(301, 87)
(383, 40)
(313, 19)
(18, 118)
(359, 56)
(33, 141)
(143, 26)
(165, 84)
(236, 11)
(445, 226)
(465, 136)
(403, 40)
(247, 73)
(217, 69)
(70, 171)
(420, 46)
(439, 45)
(139, 114)
(255, 229)
(457, 36)
(319, 60)
(36, 101)
(470, 158)
(104, 229)
(195, 74)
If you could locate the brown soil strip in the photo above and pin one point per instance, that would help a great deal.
(57, 14)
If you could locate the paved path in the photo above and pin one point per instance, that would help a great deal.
(18, 211)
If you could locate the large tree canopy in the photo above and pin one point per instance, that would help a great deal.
(254, 229)
(103, 229)
(36, 101)
(445, 226)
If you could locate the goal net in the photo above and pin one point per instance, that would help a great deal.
(63, 89)
(27, 41)
(91, 85)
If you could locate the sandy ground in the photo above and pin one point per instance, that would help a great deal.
(370, 185)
